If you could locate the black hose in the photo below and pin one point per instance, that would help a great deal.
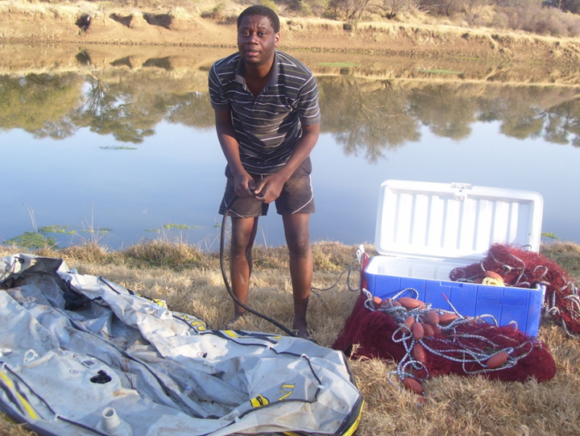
(227, 283)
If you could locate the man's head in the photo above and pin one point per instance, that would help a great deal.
(262, 11)
(258, 36)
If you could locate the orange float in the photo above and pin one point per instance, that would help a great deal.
(418, 331)
(436, 329)
(447, 318)
(433, 316)
(413, 385)
(497, 360)
(389, 302)
(493, 275)
(411, 303)
(419, 353)
(429, 330)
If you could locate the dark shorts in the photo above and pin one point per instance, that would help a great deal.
(296, 196)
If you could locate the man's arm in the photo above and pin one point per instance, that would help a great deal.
(271, 187)
(243, 182)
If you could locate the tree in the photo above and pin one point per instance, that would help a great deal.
(349, 9)
(565, 5)
(392, 8)
(445, 111)
(563, 123)
(366, 117)
(40, 103)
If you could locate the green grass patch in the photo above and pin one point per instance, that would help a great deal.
(41, 238)
(467, 58)
(441, 71)
(338, 64)
(100, 230)
(171, 226)
(117, 147)
(32, 240)
(57, 229)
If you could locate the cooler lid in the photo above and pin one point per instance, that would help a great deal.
(456, 220)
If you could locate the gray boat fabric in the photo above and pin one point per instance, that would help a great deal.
(78, 350)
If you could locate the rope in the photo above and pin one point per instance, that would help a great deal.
(255, 312)
(455, 343)
(229, 288)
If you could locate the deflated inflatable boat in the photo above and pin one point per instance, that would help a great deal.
(81, 355)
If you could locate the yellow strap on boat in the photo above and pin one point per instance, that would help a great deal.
(350, 431)
(259, 401)
(23, 403)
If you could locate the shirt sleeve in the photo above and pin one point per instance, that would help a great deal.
(308, 108)
(217, 96)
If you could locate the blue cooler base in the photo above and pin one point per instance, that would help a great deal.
(505, 304)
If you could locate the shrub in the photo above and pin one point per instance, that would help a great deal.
(572, 23)
(270, 4)
(551, 21)
(165, 253)
(500, 20)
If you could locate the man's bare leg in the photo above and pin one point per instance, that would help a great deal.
(242, 241)
(301, 266)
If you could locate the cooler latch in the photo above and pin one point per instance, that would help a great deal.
(458, 190)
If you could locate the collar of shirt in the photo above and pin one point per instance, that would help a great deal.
(240, 70)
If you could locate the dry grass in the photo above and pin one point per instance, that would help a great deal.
(32, 9)
(566, 254)
(191, 282)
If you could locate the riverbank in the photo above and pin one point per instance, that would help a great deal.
(89, 23)
(190, 282)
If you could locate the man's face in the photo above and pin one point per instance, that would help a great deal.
(257, 40)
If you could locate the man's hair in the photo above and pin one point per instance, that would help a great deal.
(262, 11)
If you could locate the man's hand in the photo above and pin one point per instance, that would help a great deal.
(244, 185)
(270, 188)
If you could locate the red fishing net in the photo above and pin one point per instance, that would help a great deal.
(524, 269)
(428, 342)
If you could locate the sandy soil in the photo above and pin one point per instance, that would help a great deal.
(91, 24)
(44, 37)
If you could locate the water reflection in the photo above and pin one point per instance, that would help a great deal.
(369, 108)
(365, 116)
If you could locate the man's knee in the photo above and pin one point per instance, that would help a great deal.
(242, 237)
(297, 233)
(299, 245)
(240, 249)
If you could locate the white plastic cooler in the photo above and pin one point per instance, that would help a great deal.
(424, 230)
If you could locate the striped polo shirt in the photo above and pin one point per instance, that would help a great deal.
(266, 127)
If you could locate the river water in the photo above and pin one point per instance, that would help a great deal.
(125, 146)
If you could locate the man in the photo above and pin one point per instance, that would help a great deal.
(267, 121)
